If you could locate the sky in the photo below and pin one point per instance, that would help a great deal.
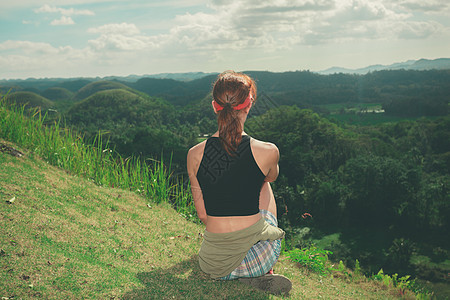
(98, 38)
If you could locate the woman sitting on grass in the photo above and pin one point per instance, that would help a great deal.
(230, 174)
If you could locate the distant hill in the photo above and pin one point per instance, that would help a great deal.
(74, 85)
(175, 76)
(420, 65)
(176, 92)
(301, 88)
(57, 93)
(155, 87)
(133, 123)
(30, 100)
(98, 86)
(115, 105)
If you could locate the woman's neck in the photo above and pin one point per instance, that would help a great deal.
(216, 134)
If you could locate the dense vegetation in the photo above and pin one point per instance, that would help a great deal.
(378, 192)
(390, 179)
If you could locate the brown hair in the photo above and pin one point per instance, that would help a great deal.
(230, 90)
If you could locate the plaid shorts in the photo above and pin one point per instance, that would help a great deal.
(261, 257)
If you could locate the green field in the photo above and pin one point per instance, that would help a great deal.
(360, 114)
(365, 118)
(351, 107)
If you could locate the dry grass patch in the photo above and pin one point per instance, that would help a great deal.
(81, 240)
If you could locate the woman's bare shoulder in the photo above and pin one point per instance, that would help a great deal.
(264, 146)
(195, 155)
(197, 149)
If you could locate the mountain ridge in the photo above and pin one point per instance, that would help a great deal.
(419, 65)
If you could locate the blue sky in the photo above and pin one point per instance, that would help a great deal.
(73, 38)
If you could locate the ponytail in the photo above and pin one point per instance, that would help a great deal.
(232, 92)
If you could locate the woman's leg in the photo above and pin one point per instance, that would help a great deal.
(267, 200)
(264, 254)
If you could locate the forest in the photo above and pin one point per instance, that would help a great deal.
(365, 159)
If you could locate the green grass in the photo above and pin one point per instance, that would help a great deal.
(66, 237)
(87, 224)
(360, 114)
(65, 149)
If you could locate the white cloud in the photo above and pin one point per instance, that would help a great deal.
(27, 47)
(228, 31)
(120, 42)
(65, 12)
(279, 24)
(122, 29)
(33, 3)
(268, 26)
(63, 21)
(361, 10)
(27, 59)
(429, 6)
(417, 30)
(121, 37)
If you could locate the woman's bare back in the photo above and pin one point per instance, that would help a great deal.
(266, 156)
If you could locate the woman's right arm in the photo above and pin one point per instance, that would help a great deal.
(193, 163)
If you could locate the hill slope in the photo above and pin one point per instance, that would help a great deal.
(133, 123)
(117, 104)
(57, 94)
(97, 86)
(64, 237)
(30, 99)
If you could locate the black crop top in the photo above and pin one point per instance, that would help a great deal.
(230, 184)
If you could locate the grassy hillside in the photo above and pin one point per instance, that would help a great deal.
(133, 123)
(115, 105)
(57, 94)
(64, 237)
(178, 93)
(29, 99)
(97, 86)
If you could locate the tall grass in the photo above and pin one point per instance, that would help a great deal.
(64, 148)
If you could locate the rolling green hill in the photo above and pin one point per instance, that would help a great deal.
(74, 85)
(176, 92)
(97, 86)
(134, 123)
(119, 105)
(57, 94)
(30, 100)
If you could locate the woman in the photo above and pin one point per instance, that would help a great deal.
(230, 174)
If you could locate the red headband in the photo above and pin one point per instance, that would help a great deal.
(244, 104)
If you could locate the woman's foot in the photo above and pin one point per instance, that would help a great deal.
(272, 283)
